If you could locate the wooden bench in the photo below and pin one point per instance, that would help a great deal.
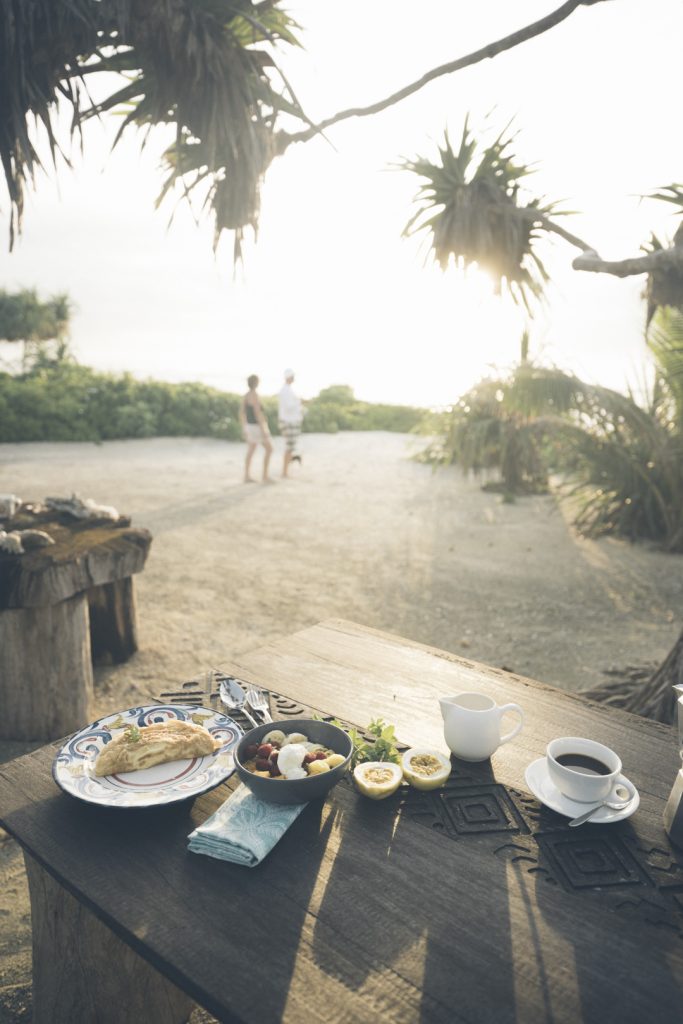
(61, 608)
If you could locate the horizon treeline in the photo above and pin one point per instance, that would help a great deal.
(65, 401)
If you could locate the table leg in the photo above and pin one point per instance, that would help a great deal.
(46, 681)
(83, 973)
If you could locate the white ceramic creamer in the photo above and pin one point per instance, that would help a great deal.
(472, 724)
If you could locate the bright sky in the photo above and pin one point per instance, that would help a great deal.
(331, 288)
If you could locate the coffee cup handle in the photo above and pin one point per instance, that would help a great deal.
(513, 732)
(622, 784)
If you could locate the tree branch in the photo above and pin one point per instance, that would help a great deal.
(550, 225)
(663, 259)
(491, 50)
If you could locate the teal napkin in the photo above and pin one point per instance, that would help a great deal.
(244, 829)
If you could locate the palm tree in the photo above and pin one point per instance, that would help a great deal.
(472, 208)
(205, 69)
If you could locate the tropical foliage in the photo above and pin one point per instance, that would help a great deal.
(40, 326)
(665, 283)
(621, 459)
(24, 317)
(471, 209)
(205, 69)
(59, 400)
(336, 408)
(626, 466)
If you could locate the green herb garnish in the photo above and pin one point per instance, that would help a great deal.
(381, 748)
(133, 734)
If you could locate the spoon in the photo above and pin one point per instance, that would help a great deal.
(615, 805)
(234, 697)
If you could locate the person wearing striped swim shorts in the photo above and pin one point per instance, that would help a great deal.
(290, 418)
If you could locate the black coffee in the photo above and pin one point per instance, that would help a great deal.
(584, 764)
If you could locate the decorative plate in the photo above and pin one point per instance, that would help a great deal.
(73, 767)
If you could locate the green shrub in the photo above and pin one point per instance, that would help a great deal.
(336, 408)
(62, 401)
(622, 459)
(66, 402)
(321, 419)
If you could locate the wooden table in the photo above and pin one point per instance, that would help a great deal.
(473, 904)
(61, 608)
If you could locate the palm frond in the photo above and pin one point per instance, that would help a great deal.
(469, 207)
(207, 67)
(665, 341)
(670, 194)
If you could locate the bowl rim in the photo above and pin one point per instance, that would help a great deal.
(269, 726)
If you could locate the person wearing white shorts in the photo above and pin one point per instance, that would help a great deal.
(255, 430)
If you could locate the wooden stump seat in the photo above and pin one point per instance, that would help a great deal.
(61, 607)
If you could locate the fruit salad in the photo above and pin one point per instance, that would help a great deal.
(289, 756)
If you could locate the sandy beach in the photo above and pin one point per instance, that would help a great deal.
(361, 531)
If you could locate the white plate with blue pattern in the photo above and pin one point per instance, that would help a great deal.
(74, 766)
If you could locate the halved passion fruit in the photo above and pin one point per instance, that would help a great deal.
(377, 779)
(425, 768)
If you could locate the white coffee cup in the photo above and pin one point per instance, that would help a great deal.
(472, 724)
(585, 770)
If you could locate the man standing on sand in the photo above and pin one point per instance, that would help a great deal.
(290, 418)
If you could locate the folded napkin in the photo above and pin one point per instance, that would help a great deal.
(244, 829)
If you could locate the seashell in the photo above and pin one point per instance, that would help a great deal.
(9, 503)
(80, 509)
(11, 542)
(31, 539)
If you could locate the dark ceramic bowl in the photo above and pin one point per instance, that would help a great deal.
(295, 791)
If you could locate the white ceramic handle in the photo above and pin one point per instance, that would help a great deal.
(511, 707)
(622, 784)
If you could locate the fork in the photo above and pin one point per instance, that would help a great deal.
(258, 701)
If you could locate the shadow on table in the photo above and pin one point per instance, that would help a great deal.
(617, 953)
(9, 749)
(423, 920)
(490, 927)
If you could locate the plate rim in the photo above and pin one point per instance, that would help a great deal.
(614, 815)
(153, 800)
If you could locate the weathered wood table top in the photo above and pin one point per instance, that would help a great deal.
(472, 903)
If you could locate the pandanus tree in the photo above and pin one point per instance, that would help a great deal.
(205, 68)
(208, 69)
(473, 210)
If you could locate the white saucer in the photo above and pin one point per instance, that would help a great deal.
(538, 781)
